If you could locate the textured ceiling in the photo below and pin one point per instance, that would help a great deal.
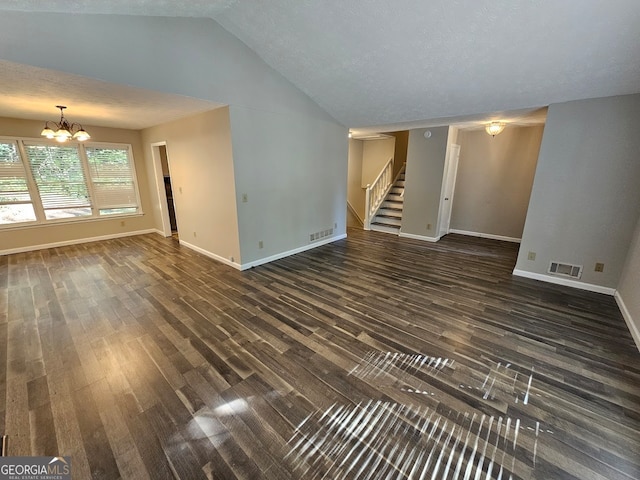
(32, 93)
(381, 62)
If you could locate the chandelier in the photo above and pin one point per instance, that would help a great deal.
(63, 130)
(494, 128)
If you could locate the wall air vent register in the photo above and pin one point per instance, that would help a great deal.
(313, 237)
(565, 270)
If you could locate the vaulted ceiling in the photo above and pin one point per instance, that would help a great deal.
(381, 62)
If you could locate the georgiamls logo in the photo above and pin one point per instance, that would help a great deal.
(35, 468)
(58, 466)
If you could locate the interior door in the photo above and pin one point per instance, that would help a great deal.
(449, 188)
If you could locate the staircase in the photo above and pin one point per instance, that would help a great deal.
(389, 217)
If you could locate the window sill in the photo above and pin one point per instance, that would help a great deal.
(65, 221)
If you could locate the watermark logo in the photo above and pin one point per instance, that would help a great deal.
(35, 468)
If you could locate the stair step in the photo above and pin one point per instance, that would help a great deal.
(392, 205)
(389, 217)
(387, 220)
(390, 212)
(385, 228)
(395, 198)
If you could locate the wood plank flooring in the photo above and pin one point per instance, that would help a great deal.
(374, 357)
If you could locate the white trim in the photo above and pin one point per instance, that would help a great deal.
(633, 327)
(261, 261)
(563, 281)
(76, 241)
(486, 235)
(419, 237)
(209, 254)
(354, 213)
(160, 188)
(66, 221)
(278, 256)
(445, 176)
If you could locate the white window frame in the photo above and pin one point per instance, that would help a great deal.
(41, 219)
(39, 142)
(134, 176)
(28, 179)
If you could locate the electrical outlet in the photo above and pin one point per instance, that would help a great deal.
(531, 256)
(428, 226)
(260, 244)
(194, 235)
(180, 189)
(599, 267)
(245, 198)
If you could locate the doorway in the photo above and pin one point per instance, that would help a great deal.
(168, 189)
(165, 189)
(449, 186)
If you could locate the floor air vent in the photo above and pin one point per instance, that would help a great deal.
(565, 269)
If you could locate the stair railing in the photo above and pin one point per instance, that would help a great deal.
(376, 192)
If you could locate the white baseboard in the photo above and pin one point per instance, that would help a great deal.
(278, 256)
(486, 235)
(209, 254)
(633, 327)
(565, 281)
(77, 241)
(419, 237)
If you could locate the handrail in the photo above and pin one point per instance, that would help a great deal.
(376, 192)
(384, 169)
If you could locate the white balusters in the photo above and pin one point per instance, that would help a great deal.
(377, 191)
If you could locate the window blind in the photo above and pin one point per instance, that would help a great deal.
(42, 181)
(57, 172)
(112, 176)
(15, 200)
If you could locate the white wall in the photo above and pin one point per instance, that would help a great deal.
(356, 195)
(375, 155)
(21, 238)
(495, 176)
(585, 200)
(423, 187)
(201, 167)
(290, 156)
(293, 170)
(628, 292)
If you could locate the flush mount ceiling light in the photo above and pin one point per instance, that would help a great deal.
(63, 130)
(494, 128)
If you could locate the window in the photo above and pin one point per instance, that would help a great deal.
(57, 172)
(42, 182)
(15, 200)
(112, 177)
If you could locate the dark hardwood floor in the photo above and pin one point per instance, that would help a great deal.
(371, 358)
